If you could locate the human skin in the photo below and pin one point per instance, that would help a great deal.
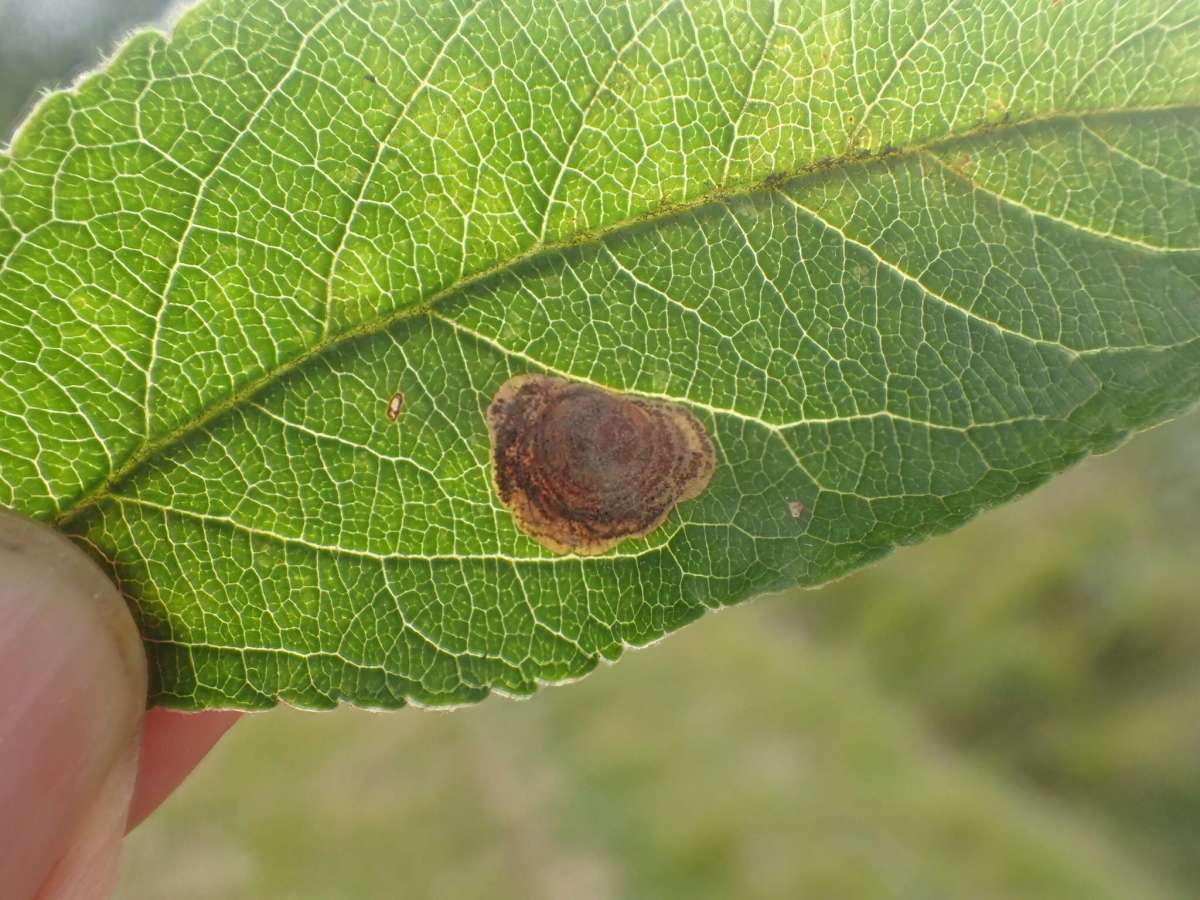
(81, 760)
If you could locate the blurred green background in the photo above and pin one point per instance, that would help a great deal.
(1011, 711)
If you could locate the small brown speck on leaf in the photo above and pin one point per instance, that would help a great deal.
(796, 508)
(395, 406)
(582, 468)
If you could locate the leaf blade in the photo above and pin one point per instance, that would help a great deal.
(869, 339)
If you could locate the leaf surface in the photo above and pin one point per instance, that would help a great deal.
(905, 264)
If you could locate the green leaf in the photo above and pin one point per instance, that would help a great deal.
(904, 265)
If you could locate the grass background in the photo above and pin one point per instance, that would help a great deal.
(1010, 711)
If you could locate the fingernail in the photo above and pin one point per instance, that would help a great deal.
(72, 694)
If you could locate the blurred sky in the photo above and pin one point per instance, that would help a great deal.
(45, 43)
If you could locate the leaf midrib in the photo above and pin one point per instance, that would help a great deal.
(715, 196)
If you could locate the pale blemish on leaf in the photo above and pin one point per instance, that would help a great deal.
(395, 406)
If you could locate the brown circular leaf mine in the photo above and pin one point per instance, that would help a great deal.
(583, 468)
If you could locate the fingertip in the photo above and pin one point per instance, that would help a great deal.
(89, 868)
(173, 744)
(72, 695)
